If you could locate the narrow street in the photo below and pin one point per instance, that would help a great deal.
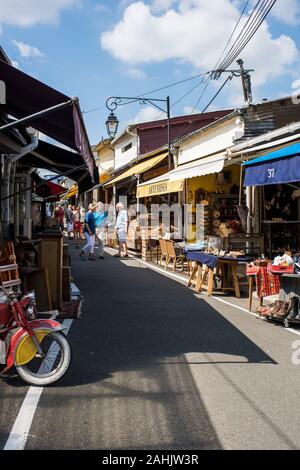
(157, 367)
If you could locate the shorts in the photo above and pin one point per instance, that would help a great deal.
(122, 235)
(69, 227)
(77, 226)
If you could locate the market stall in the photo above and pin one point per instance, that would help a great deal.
(278, 174)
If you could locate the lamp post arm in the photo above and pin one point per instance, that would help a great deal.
(113, 102)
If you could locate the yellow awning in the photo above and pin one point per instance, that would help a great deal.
(160, 185)
(139, 168)
(72, 192)
(103, 177)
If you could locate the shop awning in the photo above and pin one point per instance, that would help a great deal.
(61, 161)
(139, 168)
(71, 192)
(204, 166)
(279, 167)
(45, 109)
(158, 186)
(47, 189)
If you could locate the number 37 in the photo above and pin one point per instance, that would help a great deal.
(271, 173)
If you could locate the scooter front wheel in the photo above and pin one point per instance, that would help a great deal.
(52, 366)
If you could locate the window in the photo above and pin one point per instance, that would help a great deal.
(127, 147)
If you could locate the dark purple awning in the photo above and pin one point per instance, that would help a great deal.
(61, 161)
(26, 96)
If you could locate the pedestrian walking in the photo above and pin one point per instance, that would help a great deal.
(77, 222)
(70, 221)
(121, 228)
(100, 218)
(89, 231)
(82, 221)
(59, 217)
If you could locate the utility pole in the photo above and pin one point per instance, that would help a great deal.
(245, 77)
(246, 82)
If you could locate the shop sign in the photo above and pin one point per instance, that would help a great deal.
(285, 170)
(162, 187)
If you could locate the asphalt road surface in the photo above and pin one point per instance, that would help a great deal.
(157, 367)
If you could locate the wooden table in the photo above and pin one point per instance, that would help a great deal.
(226, 267)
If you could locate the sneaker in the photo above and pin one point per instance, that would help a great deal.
(101, 256)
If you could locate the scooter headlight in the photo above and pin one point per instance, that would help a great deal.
(30, 296)
(30, 313)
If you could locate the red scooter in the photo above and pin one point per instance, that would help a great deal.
(36, 347)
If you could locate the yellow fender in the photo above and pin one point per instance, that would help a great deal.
(26, 349)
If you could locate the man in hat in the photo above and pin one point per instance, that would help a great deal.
(90, 232)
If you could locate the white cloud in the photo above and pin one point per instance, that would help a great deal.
(195, 32)
(28, 51)
(296, 85)
(162, 5)
(15, 64)
(135, 73)
(31, 12)
(146, 114)
(190, 110)
(287, 11)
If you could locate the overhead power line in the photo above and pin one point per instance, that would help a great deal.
(193, 77)
(216, 94)
(255, 20)
(232, 34)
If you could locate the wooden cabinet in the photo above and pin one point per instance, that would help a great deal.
(51, 258)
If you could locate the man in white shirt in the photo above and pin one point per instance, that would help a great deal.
(121, 228)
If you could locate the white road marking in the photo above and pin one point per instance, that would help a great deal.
(19, 434)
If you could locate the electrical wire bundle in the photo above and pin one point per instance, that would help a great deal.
(253, 23)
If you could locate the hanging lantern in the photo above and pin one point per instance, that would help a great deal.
(112, 124)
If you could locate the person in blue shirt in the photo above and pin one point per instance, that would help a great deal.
(90, 232)
(100, 217)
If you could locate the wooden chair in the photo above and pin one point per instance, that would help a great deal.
(164, 252)
(176, 257)
(9, 276)
(9, 270)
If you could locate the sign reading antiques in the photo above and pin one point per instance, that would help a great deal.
(161, 187)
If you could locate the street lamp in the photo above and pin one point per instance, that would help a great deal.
(112, 122)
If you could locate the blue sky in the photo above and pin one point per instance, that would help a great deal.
(97, 48)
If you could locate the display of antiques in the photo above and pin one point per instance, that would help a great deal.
(281, 225)
(279, 203)
(225, 216)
